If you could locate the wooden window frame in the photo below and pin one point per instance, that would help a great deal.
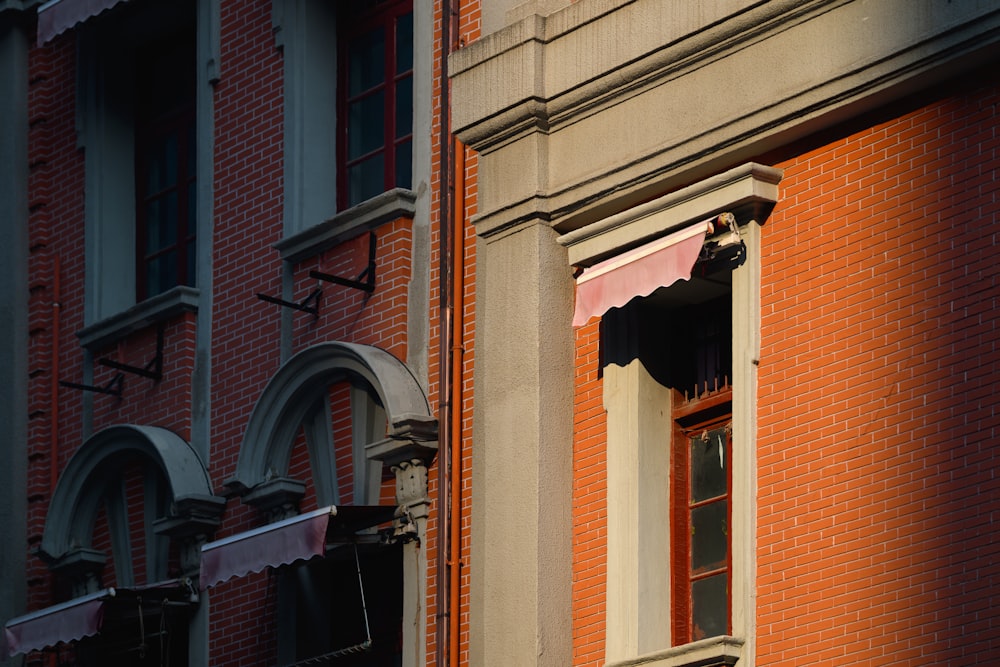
(151, 129)
(692, 417)
(355, 23)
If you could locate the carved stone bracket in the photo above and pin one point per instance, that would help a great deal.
(277, 498)
(192, 522)
(82, 566)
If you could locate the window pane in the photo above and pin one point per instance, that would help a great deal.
(192, 264)
(404, 43)
(404, 165)
(366, 179)
(161, 223)
(708, 465)
(366, 58)
(404, 107)
(366, 125)
(161, 273)
(709, 542)
(162, 163)
(709, 602)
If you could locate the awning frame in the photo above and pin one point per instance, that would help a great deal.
(89, 615)
(284, 542)
(638, 272)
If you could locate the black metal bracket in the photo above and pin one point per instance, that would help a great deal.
(152, 370)
(303, 306)
(368, 275)
(112, 388)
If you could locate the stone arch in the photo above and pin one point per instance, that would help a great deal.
(295, 393)
(192, 507)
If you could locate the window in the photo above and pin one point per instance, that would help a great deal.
(701, 469)
(137, 112)
(375, 96)
(165, 168)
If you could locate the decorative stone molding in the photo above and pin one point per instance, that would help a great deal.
(150, 312)
(366, 216)
(612, 103)
(749, 192)
(82, 567)
(276, 498)
(713, 652)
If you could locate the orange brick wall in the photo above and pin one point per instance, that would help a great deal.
(878, 484)
(590, 517)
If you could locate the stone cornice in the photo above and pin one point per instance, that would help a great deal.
(606, 104)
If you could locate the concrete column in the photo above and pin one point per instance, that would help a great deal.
(638, 435)
(14, 314)
(522, 451)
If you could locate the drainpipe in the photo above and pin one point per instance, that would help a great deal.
(449, 28)
(457, 402)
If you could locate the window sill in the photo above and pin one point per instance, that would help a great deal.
(152, 311)
(712, 652)
(366, 216)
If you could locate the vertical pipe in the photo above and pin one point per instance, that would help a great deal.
(457, 400)
(54, 386)
(442, 577)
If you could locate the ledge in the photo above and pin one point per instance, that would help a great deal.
(713, 652)
(366, 216)
(748, 191)
(159, 308)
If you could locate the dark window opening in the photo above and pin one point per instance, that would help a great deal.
(165, 166)
(144, 632)
(331, 623)
(375, 99)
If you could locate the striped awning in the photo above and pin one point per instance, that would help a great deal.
(283, 542)
(57, 16)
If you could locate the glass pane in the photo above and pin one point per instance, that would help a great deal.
(710, 606)
(366, 125)
(367, 62)
(708, 465)
(404, 165)
(366, 179)
(162, 167)
(161, 223)
(192, 263)
(404, 107)
(404, 43)
(709, 542)
(161, 273)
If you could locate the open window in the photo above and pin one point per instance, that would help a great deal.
(679, 342)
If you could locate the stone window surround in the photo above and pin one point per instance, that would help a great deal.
(638, 600)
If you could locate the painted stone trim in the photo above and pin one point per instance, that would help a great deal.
(153, 311)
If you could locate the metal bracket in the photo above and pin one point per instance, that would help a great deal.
(152, 370)
(112, 388)
(303, 306)
(368, 275)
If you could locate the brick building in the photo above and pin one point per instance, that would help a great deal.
(719, 274)
(232, 232)
(790, 457)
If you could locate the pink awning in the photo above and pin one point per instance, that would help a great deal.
(64, 622)
(284, 542)
(638, 272)
(85, 616)
(58, 16)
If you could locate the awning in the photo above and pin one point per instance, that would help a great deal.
(80, 617)
(58, 16)
(638, 272)
(282, 542)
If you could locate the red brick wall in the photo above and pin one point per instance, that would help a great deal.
(55, 240)
(590, 517)
(877, 458)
